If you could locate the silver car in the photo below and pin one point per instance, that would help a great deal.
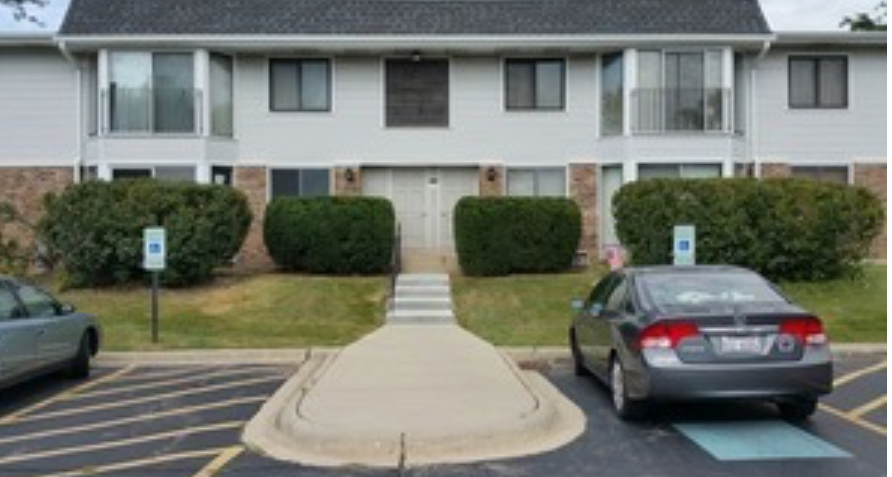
(703, 332)
(39, 335)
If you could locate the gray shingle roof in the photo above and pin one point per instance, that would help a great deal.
(413, 17)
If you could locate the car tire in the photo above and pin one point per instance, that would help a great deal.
(626, 408)
(578, 365)
(797, 409)
(80, 366)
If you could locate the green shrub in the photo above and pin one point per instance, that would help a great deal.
(502, 235)
(96, 229)
(784, 228)
(332, 235)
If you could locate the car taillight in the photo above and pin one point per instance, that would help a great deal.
(807, 330)
(666, 334)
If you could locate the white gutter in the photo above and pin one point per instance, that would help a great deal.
(409, 42)
(752, 134)
(79, 110)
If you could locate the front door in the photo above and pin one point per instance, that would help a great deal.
(424, 200)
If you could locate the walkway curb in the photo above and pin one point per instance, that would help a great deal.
(218, 356)
(280, 429)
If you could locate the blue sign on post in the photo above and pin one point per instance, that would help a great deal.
(684, 245)
(154, 249)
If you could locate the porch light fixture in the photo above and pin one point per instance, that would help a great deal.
(416, 56)
(349, 175)
(492, 174)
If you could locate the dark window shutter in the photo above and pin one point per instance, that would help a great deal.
(417, 93)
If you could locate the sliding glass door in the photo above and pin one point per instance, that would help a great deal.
(151, 92)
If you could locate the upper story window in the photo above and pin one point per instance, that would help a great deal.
(534, 84)
(417, 93)
(221, 95)
(152, 92)
(680, 91)
(819, 81)
(612, 94)
(300, 85)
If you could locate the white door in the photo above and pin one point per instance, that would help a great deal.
(611, 181)
(424, 200)
(454, 184)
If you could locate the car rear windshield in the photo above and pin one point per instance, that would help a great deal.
(708, 292)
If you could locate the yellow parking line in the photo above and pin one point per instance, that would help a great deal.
(120, 442)
(18, 415)
(857, 374)
(130, 420)
(868, 407)
(165, 373)
(162, 383)
(144, 399)
(853, 420)
(219, 462)
(133, 464)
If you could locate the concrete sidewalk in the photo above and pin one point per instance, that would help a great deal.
(413, 394)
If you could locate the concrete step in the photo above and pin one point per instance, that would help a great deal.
(422, 291)
(420, 316)
(422, 279)
(422, 303)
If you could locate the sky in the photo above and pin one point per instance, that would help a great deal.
(783, 15)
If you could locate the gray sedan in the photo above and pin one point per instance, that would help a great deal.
(39, 335)
(704, 332)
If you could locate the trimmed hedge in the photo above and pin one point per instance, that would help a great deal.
(502, 235)
(96, 229)
(784, 228)
(331, 235)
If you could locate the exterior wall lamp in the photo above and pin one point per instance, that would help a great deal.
(492, 174)
(349, 175)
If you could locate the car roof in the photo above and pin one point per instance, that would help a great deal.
(676, 269)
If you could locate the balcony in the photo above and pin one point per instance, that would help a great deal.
(151, 111)
(681, 110)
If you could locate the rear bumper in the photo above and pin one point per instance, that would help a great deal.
(811, 376)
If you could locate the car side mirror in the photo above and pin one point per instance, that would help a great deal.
(67, 309)
(596, 309)
(576, 304)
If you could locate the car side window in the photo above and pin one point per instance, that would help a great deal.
(36, 302)
(602, 290)
(617, 299)
(8, 304)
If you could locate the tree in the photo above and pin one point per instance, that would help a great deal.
(21, 9)
(864, 21)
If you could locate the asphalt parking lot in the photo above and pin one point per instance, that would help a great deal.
(186, 421)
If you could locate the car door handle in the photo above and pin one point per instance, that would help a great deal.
(41, 332)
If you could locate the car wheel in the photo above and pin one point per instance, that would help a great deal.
(798, 409)
(80, 366)
(578, 365)
(626, 409)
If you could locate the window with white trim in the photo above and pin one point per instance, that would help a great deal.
(819, 82)
(837, 174)
(300, 85)
(537, 182)
(299, 182)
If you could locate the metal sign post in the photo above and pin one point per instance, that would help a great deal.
(684, 245)
(154, 261)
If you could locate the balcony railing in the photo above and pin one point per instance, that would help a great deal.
(141, 111)
(682, 110)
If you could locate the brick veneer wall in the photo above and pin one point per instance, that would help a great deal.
(492, 188)
(775, 169)
(345, 187)
(584, 190)
(25, 188)
(253, 182)
(873, 178)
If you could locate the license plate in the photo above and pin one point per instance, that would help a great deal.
(740, 345)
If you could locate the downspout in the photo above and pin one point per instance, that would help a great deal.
(752, 135)
(79, 108)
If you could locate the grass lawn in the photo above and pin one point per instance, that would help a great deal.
(262, 311)
(534, 310)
